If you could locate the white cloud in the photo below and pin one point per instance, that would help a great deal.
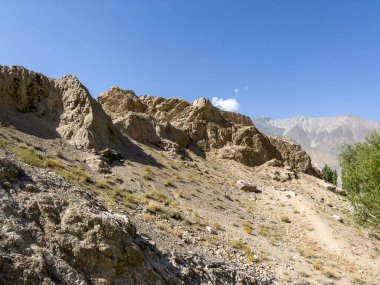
(236, 91)
(229, 104)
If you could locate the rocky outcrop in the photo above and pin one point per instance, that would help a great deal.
(237, 119)
(294, 155)
(118, 102)
(160, 121)
(45, 107)
(61, 234)
(83, 121)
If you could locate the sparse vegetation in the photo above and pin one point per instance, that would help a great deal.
(155, 208)
(317, 266)
(59, 153)
(169, 183)
(236, 243)
(28, 156)
(217, 226)
(285, 219)
(247, 249)
(132, 200)
(103, 184)
(248, 229)
(163, 227)
(262, 230)
(147, 217)
(51, 163)
(158, 195)
(148, 174)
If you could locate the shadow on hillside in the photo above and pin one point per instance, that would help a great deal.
(30, 124)
(131, 151)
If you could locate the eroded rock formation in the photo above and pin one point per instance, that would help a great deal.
(157, 121)
(51, 108)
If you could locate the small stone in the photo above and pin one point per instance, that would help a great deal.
(31, 188)
(7, 185)
(210, 230)
(338, 218)
(290, 194)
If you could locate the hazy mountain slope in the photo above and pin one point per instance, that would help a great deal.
(321, 137)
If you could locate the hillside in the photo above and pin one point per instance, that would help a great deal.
(147, 190)
(321, 137)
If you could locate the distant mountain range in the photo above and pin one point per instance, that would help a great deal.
(321, 137)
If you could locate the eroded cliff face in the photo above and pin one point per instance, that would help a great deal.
(51, 108)
(159, 121)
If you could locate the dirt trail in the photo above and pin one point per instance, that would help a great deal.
(340, 243)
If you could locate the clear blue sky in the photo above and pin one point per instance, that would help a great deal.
(286, 58)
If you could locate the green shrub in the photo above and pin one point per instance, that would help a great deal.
(51, 163)
(103, 184)
(361, 179)
(158, 196)
(28, 156)
(168, 183)
(285, 219)
(59, 153)
(238, 244)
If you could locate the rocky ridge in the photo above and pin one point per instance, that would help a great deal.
(177, 124)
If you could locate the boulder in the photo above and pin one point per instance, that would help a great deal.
(294, 155)
(275, 163)
(338, 218)
(98, 164)
(283, 175)
(247, 187)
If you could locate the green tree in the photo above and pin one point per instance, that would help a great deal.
(361, 179)
(327, 174)
(335, 177)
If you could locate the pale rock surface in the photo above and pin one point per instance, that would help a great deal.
(160, 121)
(294, 155)
(62, 234)
(51, 108)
